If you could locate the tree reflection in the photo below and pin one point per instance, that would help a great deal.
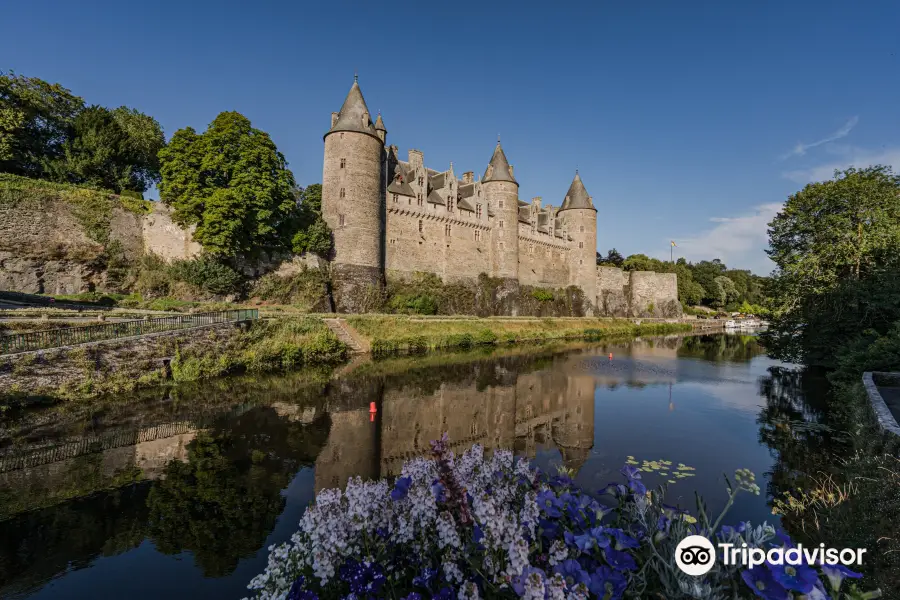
(720, 348)
(222, 503)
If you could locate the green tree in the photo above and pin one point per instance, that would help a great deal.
(613, 258)
(724, 290)
(35, 122)
(311, 232)
(233, 184)
(114, 150)
(705, 272)
(837, 248)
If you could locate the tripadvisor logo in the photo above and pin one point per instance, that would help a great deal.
(695, 555)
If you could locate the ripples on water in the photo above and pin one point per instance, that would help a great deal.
(178, 493)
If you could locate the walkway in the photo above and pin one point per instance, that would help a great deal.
(348, 335)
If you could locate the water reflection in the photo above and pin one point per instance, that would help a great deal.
(178, 493)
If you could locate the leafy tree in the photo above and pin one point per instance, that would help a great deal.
(114, 150)
(613, 258)
(233, 184)
(638, 262)
(312, 233)
(690, 292)
(725, 291)
(705, 272)
(35, 122)
(837, 248)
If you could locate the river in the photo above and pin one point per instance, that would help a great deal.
(178, 493)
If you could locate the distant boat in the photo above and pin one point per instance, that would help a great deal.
(731, 324)
(749, 324)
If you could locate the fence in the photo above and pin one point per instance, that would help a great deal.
(71, 336)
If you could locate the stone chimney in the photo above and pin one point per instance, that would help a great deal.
(416, 159)
(468, 177)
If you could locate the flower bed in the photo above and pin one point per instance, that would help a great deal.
(495, 527)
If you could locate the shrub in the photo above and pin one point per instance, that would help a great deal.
(208, 274)
(542, 295)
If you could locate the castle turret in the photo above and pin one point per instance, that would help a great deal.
(501, 190)
(581, 220)
(353, 200)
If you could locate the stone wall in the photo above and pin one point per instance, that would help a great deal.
(161, 236)
(637, 293)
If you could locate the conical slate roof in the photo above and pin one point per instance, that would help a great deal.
(352, 113)
(577, 196)
(379, 124)
(498, 169)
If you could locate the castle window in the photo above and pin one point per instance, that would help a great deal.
(581, 244)
(580, 262)
(420, 181)
(419, 199)
(477, 211)
(395, 197)
(341, 220)
(501, 245)
(343, 192)
(501, 224)
(343, 162)
(447, 229)
(500, 203)
(449, 204)
(420, 226)
(582, 229)
(477, 236)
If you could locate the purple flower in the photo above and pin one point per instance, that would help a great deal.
(663, 523)
(637, 487)
(630, 472)
(799, 578)
(623, 540)
(606, 581)
(401, 488)
(764, 585)
(445, 593)
(549, 503)
(518, 581)
(413, 596)
(572, 572)
(549, 529)
(620, 561)
(837, 573)
(616, 490)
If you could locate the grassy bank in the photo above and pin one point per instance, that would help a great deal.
(391, 334)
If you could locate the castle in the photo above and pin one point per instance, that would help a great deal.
(392, 218)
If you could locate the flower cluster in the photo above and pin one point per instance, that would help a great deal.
(494, 527)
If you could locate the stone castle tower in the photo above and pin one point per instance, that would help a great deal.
(392, 218)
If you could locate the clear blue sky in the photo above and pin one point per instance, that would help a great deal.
(690, 121)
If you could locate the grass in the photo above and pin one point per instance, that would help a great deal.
(390, 334)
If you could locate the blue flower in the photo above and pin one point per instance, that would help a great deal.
(630, 472)
(837, 573)
(549, 529)
(663, 523)
(298, 593)
(572, 572)
(764, 585)
(364, 578)
(518, 581)
(799, 578)
(620, 561)
(617, 490)
(445, 593)
(623, 540)
(424, 579)
(606, 581)
(637, 487)
(549, 503)
(439, 491)
(401, 488)
(594, 538)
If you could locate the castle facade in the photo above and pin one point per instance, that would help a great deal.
(393, 217)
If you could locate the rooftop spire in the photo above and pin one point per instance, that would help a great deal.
(379, 124)
(498, 169)
(354, 114)
(577, 196)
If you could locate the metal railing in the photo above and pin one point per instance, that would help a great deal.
(71, 336)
